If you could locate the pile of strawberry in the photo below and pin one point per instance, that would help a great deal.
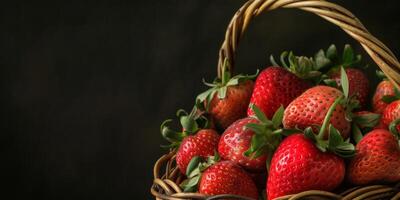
(304, 124)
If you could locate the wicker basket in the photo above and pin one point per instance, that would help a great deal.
(167, 176)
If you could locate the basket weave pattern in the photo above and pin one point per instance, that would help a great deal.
(166, 182)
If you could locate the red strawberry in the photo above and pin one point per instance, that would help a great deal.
(384, 88)
(391, 113)
(233, 106)
(310, 109)
(298, 165)
(358, 84)
(203, 144)
(276, 86)
(193, 140)
(227, 99)
(377, 159)
(249, 141)
(226, 177)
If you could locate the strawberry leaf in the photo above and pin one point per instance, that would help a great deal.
(190, 185)
(357, 134)
(389, 98)
(193, 164)
(393, 128)
(348, 55)
(222, 92)
(344, 81)
(331, 52)
(381, 75)
(258, 113)
(278, 117)
(369, 120)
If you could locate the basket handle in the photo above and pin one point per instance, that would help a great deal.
(331, 12)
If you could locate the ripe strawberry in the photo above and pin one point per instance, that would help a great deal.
(202, 144)
(299, 165)
(377, 159)
(276, 86)
(358, 84)
(391, 113)
(310, 108)
(192, 141)
(227, 99)
(384, 88)
(226, 177)
(358, 81)
(250, 141)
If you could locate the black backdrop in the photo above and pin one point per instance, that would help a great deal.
(86, 85)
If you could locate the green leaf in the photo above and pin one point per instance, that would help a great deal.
(321, 60)
(331, 83)
(389, 98)
(357, 134)
(190, 185)
(278, 117)
(334, 137)
(283, 56)
(222, 92)
(258, 113)
(380, 74)
(331, 52)
(257, 143)
(193, 164)
(367, 120)
(257, 128)
(286, 132)
(393, 128)
(272, 60)
(348, 55)
(344, 81)
(189, 124)
(203, 96)
(268, 161)
(308, 132)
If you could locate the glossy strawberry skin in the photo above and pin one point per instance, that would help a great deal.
(203, 144)
(233, 106)
(391, 113)
(226, 177)
(358, 84)
(384, 88)
(235, 141)
(310, 109)
(275, 86)
(377, 159)
(298, 165)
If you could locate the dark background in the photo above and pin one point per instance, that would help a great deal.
(86, 85)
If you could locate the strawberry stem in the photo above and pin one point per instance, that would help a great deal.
(328, 117)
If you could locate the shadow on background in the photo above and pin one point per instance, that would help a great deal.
(86, 85)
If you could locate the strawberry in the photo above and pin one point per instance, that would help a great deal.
(192, 140)
(310, 108)
(216, 177)
(358, 81)
(358, 84)
(299, 165)
(276, 86)
(391, 113)
(226, 177)
(384, 88)
(250, 142)
(377, 159)
(227, 99)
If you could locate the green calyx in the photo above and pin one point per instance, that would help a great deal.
(190, 123)
(363, 122)
(393, 128)
(391, 98)
(335, 142)
(301, 66)
(194, 171)
(332, 59)
(220, 85)
(267, 134)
